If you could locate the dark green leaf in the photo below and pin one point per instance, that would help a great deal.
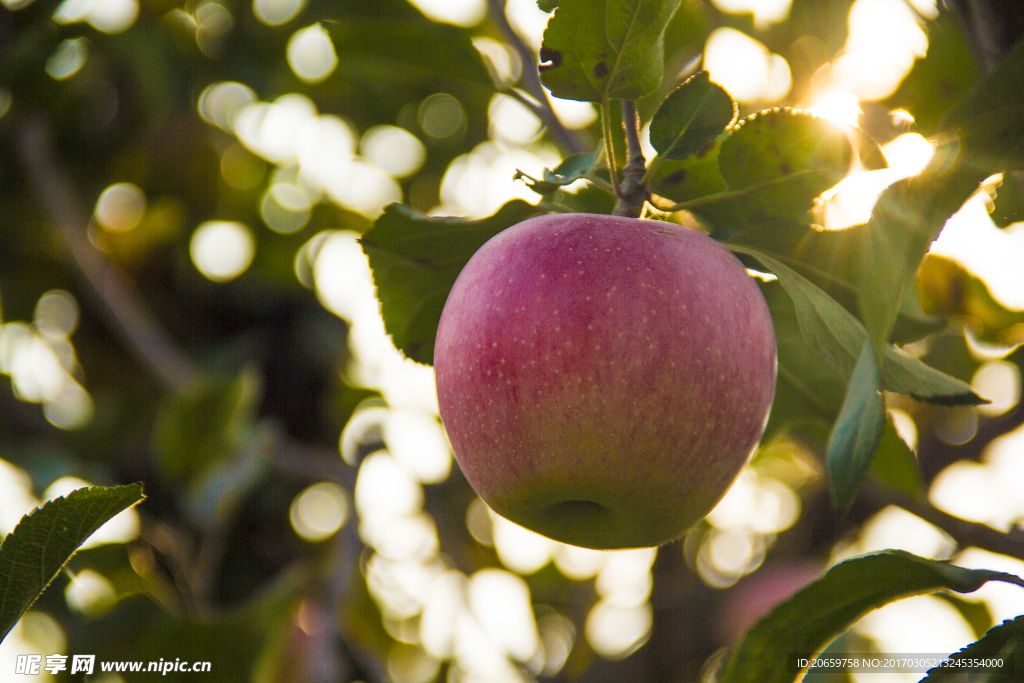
(1005, 642)
(806, 622)
(195, 430)
(986, 121)
(46, 538)
(547, 5)
(415, 260)
(836, 337)
(857, 432)
(691, 117)
(895, 465)
(599, 49)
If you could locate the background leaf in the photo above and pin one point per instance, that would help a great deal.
(415, 260)
(598, 49)
(691, 117)
(986, 121)
(805, 623)
(46, 538)
(194, 430)
(857, 432)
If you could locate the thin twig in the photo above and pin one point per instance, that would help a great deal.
(530, 81)
(966, 534)
(123, 307)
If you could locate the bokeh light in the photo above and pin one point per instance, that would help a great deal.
(922, 624)
(479, 183)
(277, 12)
(67, 59)
(511, 121)
(42, 363)
(999, 382)
(442, 116)
(765, 12)
(615, 632)
(501, 603)
(502, 60)
(107, 16)
(220, 102)
(518, 548)
(464, 13)
(222, 250)
(319, 511)
(395, 150)
(120, 207)
(745, 67)
(986, 491)
(121, 528)
(35, 633)
(311, 54)
(89, 592)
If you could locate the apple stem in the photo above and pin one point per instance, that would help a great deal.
(633, 192)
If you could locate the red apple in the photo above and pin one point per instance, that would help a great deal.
(603, 379)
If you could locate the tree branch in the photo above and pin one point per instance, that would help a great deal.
(634, 190)
(124, 309)
(570, 140)
(966, 534)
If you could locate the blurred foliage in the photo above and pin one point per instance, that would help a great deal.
(228, 399)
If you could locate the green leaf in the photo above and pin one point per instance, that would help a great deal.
(415, 260)
(905, 221)
(857, 432)
(193, 431)
(986, 121)
(599, 49)
(691, 178)
(547, 6)
(806, 388)
(46, 538)
(1005, 642)
(895, 465)
(785, 159)
(691, 117)
(569, 171)
(836, 337)
(810, 619)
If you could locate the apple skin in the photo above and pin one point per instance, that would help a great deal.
(603, 380)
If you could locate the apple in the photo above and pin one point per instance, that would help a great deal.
(602, 379)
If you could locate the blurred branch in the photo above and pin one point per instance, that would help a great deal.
(125, 311)
(966, 534)
(570, 140)
(991, 26)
